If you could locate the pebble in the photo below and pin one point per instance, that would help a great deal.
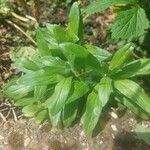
(114, 128)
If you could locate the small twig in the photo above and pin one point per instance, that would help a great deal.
(19, 17)
(2, 116)
(14, 114)
(31, 18)
(18, 28)
(8, 113)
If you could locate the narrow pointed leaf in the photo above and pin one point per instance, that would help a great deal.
(31, 110)
(134, 92)
(97, 52)
(120, 57)
(92, 113)
(69, 113)
(104, 90)
(18, 91)
(25, 64)
(39, 92)
(59, 98)
(40, 77)
(133, 107)
(55, 65)
(25, 101)
(75, 22)
(135, 68)
(78, 90)
(42, 44)
(74, 49)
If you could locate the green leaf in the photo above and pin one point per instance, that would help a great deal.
(75, 22)
(60, 34)
(57, 101)
(40, 77)
(39, 92)
(78, 90)
(25, 101)
(134, 68)
(18, 91)
(92, 113)
(69, 113)
(41, 116)
(120, 57)
(101, 5)
(25, 64)
(133, 107)
(104, 90)
(134, 92)
(98, 53)
(42, 44)
(130, 23)
(73, 49)
(55, 119)
(31, 110)
(55, 64)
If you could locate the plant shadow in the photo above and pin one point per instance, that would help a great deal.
(128, 141)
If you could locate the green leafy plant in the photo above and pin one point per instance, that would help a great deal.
(132, 16)
(67, 80)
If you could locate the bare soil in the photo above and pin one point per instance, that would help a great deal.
(25, 134)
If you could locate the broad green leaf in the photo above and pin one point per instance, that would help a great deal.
(133, 107)
(57, 101)
(104, 90)
(41, 116)
(135, 68)
(130, 23)
(101, 5)
(18, 91)
(40, 77)
(92, 113)
(73, 49)
(31, 110)
(78, 90)
(120, 57)
(143, 133)
(25, 101)
(69, 113)
(97, 52)
(42, 44)
(25, 64)
(75, 22)
(39, 92)
(55, 64)
(134, 92)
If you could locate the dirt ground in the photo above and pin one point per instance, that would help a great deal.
(19, 133)
(25, 134)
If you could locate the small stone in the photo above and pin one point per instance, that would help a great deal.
(114, 128)
(114, 115)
